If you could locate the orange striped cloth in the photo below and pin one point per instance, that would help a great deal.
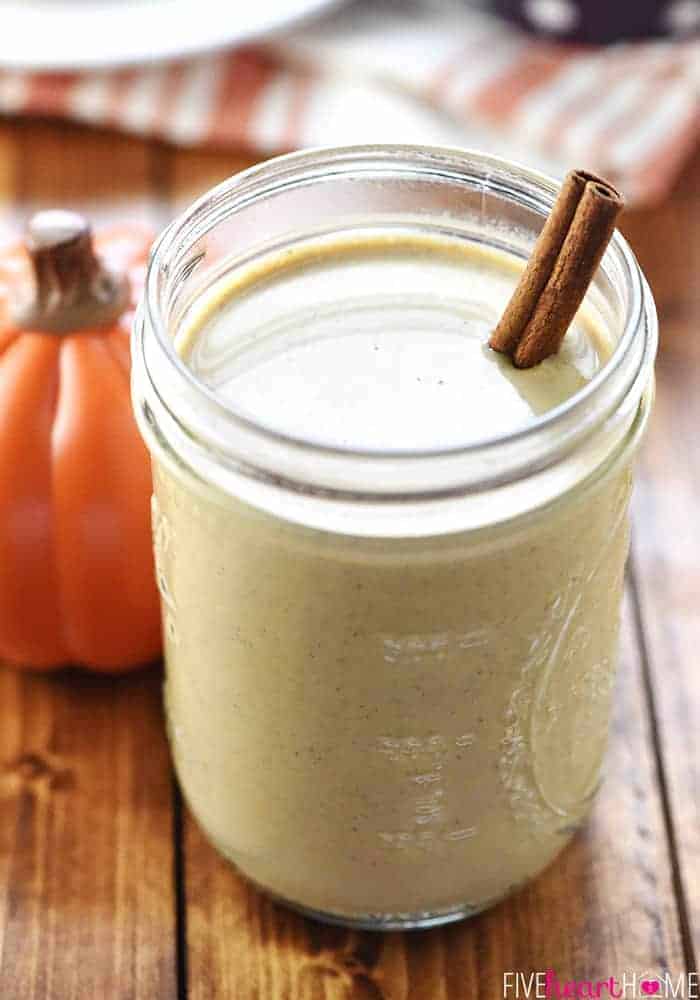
(380, 73)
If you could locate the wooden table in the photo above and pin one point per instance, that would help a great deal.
(108, 889)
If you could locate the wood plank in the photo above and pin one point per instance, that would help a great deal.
(9, 170)
(194, 171)
(606, 907)
(106, 175)
(86, 898)
(667, 559)
(665, 239)
(666, 542)
(86, 857)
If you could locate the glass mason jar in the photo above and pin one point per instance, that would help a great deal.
(388, 672)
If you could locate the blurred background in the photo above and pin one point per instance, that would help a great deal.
(611, 85)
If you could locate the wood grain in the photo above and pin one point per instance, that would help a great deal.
(86, 853)
(86, 901)
(667, 541)
(606, 906)
(192, 172)
(9, 169)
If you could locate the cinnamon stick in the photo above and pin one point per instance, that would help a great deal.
(563, 262)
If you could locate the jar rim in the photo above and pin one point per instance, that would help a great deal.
(628, 368)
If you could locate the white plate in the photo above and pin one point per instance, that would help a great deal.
(82, 34)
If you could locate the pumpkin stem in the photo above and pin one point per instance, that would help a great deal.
(74, 289)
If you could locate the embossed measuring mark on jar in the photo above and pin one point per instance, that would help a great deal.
(421, 764)
(162, 536)
(427, 647)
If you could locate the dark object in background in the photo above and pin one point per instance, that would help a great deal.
(600, 21)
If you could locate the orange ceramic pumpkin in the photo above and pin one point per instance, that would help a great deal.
(76, 572)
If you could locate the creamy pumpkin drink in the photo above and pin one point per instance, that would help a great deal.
(390, 558)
